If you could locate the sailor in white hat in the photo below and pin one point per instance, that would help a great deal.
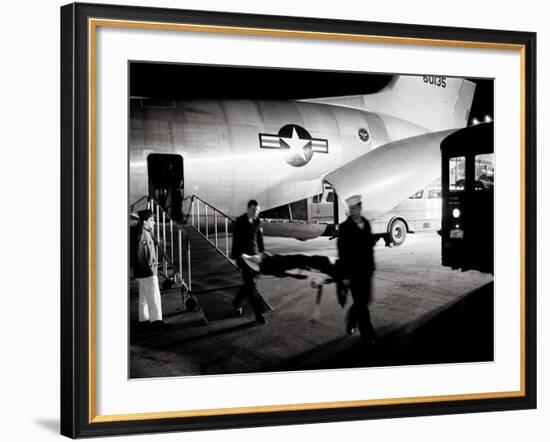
(355, 250)
(353, 200)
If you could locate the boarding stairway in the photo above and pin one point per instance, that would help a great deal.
(196, 273)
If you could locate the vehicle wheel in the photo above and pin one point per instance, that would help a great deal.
(397, 233)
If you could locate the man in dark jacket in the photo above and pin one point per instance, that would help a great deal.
(355, 244)
(248, 239)
(145, 271)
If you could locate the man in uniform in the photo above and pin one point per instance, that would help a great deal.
(355, 244)
(145, 271)
(248, 239)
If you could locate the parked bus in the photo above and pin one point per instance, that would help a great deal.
(467, 176)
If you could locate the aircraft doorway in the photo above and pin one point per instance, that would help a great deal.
(165, 172)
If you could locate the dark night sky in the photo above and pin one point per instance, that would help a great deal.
(181, 81)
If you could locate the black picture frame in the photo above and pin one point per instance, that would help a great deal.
(77, 417)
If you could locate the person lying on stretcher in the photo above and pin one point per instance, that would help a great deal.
(279, 266)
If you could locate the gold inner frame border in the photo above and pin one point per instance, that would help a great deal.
(93, 24)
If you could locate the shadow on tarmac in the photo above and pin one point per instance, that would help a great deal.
(462, 331)
(168, 343)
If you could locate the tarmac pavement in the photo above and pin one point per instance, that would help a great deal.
(423, 313)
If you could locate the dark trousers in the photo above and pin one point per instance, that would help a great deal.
(249, 290)
(359, 314)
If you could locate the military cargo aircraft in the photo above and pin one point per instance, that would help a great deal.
(384, 146)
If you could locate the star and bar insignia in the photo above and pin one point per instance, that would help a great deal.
(298, 141)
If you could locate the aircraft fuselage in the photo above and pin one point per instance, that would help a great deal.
(234, 150)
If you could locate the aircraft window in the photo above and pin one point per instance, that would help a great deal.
(330, 197)
(484, 172)
(434, 194)
(457, 173)
(418, 195)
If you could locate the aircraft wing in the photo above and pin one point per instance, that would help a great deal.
(391, 173)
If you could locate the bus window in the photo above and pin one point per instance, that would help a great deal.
(434, 194)
(484, 171)
(418, 195)
(330, 197)
(317, 198)
(457, 173)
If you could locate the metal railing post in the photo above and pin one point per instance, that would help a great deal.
(206, 219)
(198, 215)
(216, 228)
(226, 239)
(171, 241)
(180, 253)
(189, 263)
(158, 230)
(164, 263)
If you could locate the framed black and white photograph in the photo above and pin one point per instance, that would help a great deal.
(279, 220)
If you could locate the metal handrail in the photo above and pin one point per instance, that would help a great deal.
(195, 222)
(195, 197)
(164, 237)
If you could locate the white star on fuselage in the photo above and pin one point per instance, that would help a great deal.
(296, 144)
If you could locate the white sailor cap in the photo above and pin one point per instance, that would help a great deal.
(353, 200)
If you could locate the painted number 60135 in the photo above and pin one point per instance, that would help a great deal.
(436, 81)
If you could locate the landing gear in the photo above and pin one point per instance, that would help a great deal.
(396, 234)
